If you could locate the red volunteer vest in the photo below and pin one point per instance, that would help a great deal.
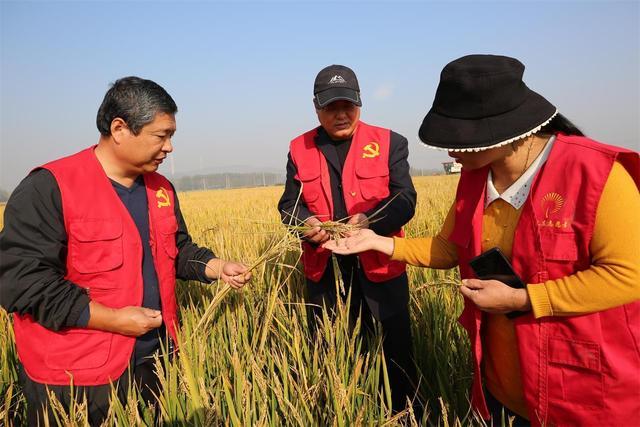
(577, 370)
(365, 182)
(105, 257)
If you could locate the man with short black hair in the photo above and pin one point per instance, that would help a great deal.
(346, 168)
(91, 248)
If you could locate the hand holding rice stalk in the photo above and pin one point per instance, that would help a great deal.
(336, 229)
(289, 242)
(277, 249)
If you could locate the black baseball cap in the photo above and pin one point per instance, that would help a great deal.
(335, 83)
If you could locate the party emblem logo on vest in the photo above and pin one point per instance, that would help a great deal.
(551, 204)
(371, 150)
(163, 197)
(337, 79)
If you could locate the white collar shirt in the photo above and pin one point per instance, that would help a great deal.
(518, 192)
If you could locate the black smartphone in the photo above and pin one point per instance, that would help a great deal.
(493, 265)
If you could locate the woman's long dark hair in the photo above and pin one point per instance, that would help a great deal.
(561, 124)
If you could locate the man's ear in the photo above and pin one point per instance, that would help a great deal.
(119, 129)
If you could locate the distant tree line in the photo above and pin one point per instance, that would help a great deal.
(425, 172)
(227, 180)
(236, 180)
(254, 179)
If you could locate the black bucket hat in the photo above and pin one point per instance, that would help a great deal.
(334, 83)
(481, 103)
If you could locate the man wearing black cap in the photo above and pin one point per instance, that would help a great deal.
(347, 169)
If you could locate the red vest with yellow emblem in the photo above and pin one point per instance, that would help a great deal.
(576, 370)
(365, 182)
(104, 257)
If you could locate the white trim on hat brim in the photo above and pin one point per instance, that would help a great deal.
(499, 144)
(357, 101)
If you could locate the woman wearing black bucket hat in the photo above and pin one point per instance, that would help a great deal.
(564, 349)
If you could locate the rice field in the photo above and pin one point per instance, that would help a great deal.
(254, 362)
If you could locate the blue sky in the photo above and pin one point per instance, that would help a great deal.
(242, 72)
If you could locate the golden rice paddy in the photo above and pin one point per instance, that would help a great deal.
(248, 359)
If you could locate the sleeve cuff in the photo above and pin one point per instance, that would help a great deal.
(540, 303)
(398, 249)
(202, 269)
(83, 320)
(79, 314)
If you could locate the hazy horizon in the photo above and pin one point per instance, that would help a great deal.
(242, 73)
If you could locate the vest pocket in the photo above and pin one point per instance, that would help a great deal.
(78, 349)
(168, 227)
(95, 245)
(575, 373)
(374, 182)
(311, 185)
(558, 246)
(102, 292)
